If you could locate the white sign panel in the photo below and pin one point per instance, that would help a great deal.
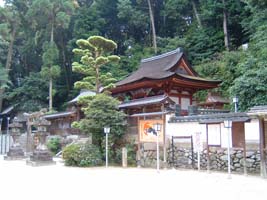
(214, 134)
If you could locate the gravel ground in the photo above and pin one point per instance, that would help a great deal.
(19, 181)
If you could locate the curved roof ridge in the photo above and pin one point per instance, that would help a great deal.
(178, 50)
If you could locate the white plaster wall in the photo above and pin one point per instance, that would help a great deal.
(252, 131)
(185, 129)
(191, 128)
(185, 102)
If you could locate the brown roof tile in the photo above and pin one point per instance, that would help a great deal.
(159, 67)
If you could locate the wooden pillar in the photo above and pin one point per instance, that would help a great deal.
(262, 152)
(138, 146)
(164, 142)
(245, 154)
(28, 135)
(207, 146)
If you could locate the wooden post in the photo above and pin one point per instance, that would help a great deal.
(192, 151)
(245, 155)
(164, 142)
(262, 152)
(138, 146)
(172, 153)
(207, 146)
(28, 135)
(124, 157)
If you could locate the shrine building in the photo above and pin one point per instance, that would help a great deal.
(158, 99)
(161, 83)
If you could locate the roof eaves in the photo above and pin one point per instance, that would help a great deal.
(212, 118)
(178, 50)
(145, 101)
(58, 115)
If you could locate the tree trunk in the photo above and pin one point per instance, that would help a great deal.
(64, 65)
(225, 29)
(97, 83)
(50, 78)
(52, 33)
(50, 94)
(8, 62)
(153, 26)
(196, 14)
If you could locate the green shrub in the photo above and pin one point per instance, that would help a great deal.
(131, 154)
(82, 155)
(54, 145)
(71, 155)
(116, 157)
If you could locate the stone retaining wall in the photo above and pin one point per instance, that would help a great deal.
(218, 159)
(183, 158)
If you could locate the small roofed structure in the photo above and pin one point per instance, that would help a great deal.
(214, 101)
(83, 93)
(61, 121)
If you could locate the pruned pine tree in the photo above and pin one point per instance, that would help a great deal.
(95, 53)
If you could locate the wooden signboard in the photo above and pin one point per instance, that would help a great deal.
(147, 130)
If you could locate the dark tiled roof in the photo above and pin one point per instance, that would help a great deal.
(149, 114)
(7, 110)
(146, 101)
(159, 67)
(212, 118)
(258, 110)
(59, 115)
(83, 93)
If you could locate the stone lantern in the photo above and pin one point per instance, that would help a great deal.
(15, 151)
(41, 155)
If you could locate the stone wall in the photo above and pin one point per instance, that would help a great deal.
(183, 158)
(149, 158)
(218, 159)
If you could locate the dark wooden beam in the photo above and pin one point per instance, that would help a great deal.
(262, 152)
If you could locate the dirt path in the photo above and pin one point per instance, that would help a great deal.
(19, 181)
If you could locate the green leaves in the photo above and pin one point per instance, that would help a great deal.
(50, 72)
(102, 44)
(4, 79)
(100, 111)
(84, 44)
(50, 55)
(94, 54)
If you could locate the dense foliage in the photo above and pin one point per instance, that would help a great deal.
(82, 155)
(103, 111)
(210, 32)
(93, 53)
(54, 145)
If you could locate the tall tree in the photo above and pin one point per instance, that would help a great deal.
(225, 26)
(94, 54)
(151, 16)
(250, 86)
(50, 15)
(194, 5)
(8, 30)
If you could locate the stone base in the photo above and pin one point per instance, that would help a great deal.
(41, 158)
(39, 163)
(15, 153)
(14, 157)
